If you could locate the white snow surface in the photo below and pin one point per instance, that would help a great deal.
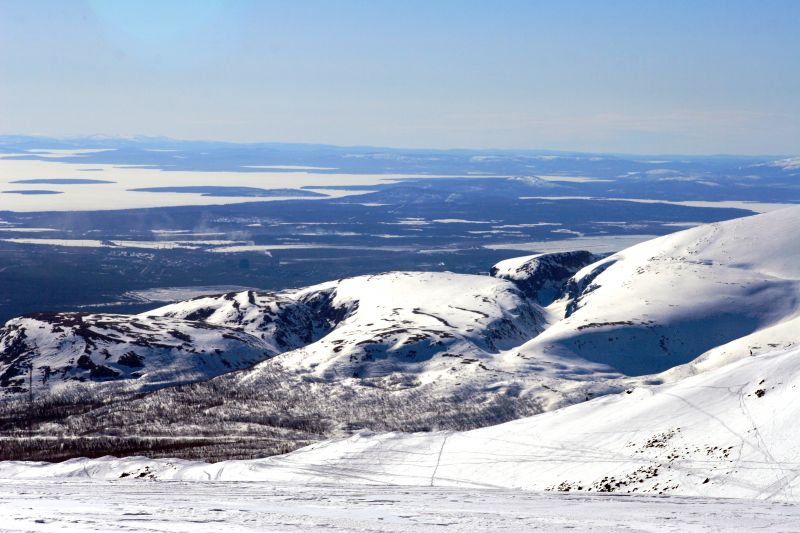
(62, 352)
(76, 505)
(667, 301)
(405, 318)
(730, 432)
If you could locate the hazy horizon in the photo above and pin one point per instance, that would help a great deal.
(624, 77)
(99, 137)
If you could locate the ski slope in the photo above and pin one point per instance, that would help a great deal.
(76, 505)
(729, 432)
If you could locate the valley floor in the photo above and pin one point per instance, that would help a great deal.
(50, 505)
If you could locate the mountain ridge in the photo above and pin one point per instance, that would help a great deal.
(417, 351)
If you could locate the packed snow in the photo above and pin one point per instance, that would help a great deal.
(73, 505)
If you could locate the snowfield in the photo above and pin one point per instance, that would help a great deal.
(187, 506)
(670, 300)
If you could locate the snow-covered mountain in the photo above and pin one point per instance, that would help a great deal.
(51, 352)
(417, 350)
(731, 289)
(543, 277)
(402, 327)
(729, 432)
(414, 325)
(282, 322)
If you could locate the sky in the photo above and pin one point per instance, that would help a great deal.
(637, 76)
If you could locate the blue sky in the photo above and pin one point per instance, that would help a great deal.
(640, 76)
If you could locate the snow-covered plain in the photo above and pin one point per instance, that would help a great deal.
(188, 506)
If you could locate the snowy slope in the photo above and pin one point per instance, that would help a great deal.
(188, 341)
(279, 320)
(415, 349)
(729, 432)
(54, 352)
(419, 323)
(543, 277)
(667, 301)
(396, 329)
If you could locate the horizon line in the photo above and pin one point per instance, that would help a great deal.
(545, 151)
